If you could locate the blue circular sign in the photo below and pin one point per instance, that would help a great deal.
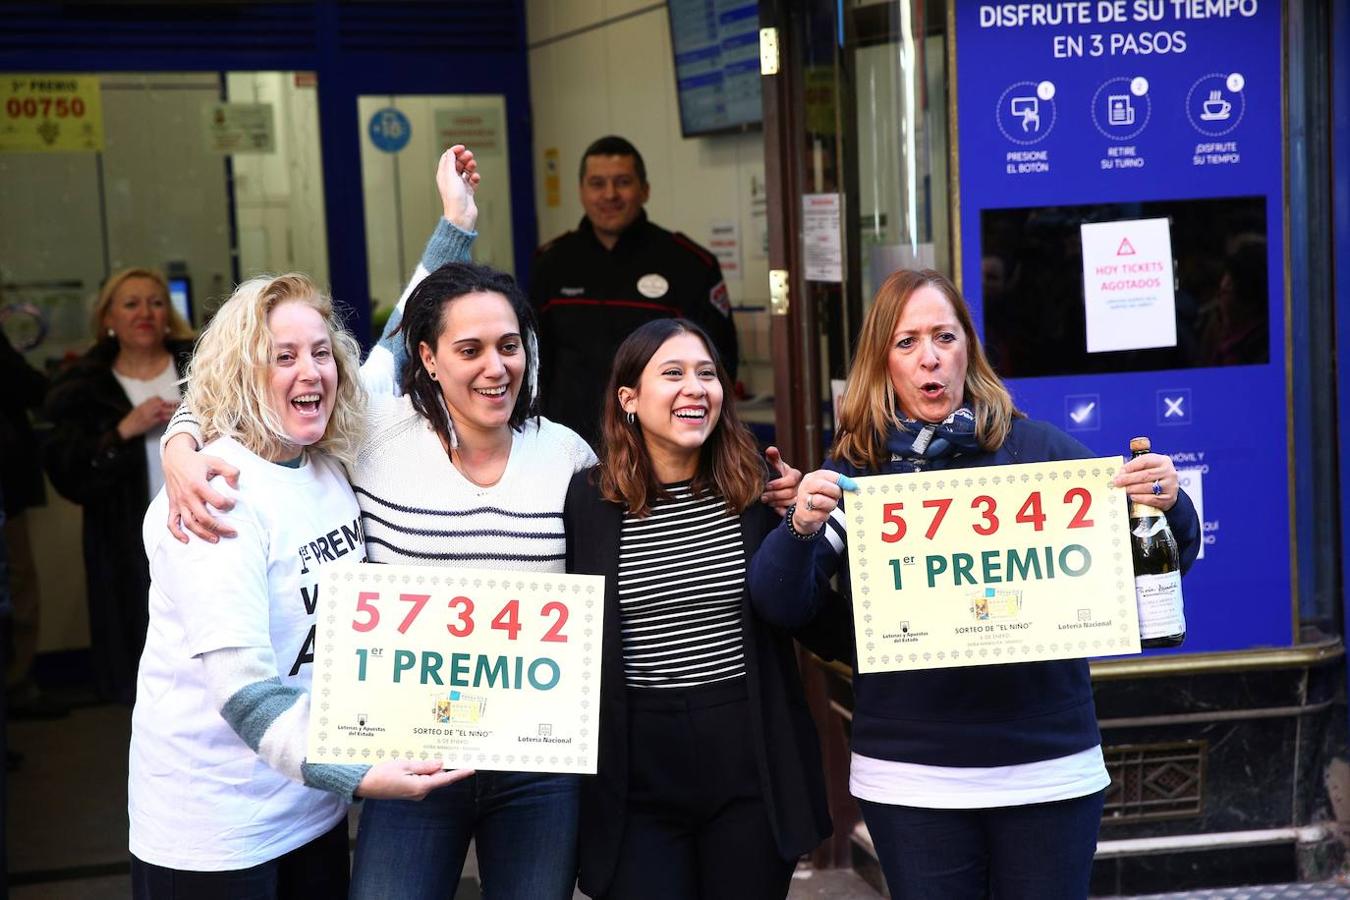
(389, 130)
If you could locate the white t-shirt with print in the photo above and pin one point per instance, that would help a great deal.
(199, 798)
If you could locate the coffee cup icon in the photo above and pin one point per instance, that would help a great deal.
(1216, 109)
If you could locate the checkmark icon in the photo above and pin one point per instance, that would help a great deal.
(1080, 415)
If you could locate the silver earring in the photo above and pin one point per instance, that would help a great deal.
(431, 375)
(631, 418)
(111, 333)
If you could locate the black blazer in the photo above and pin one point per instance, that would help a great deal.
(90, 464)
(787, 750)
(86, 459)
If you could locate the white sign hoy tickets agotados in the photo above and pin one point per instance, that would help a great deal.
(484, 669)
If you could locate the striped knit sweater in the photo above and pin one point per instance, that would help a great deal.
(417, 509)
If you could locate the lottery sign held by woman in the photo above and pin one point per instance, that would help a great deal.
(1003, 565)
(483, 668)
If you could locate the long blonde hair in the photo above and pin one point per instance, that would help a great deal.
(869, 410)
(227, 384)
(179, 329)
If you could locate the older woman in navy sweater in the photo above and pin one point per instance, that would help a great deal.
(978, 781)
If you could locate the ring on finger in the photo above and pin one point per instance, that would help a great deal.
(1157, 488)
(811, 502)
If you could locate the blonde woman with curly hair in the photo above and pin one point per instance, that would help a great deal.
(221, 800)
(108, 410)
(977, 781)
(457, 469)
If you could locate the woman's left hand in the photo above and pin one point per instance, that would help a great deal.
(457, 178)
(1140, 475)
(781, 490)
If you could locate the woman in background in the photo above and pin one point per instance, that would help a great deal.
(709, 781)
(109, 409)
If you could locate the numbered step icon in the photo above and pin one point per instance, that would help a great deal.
(1121, 108)
(1216, 102)
(1026, 112)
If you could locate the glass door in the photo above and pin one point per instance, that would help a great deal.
(857, 156)
(402, 137)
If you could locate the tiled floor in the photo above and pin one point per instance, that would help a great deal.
(67, 816)
(67, 823)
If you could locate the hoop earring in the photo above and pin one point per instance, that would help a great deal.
(431, 375)
(631, 418)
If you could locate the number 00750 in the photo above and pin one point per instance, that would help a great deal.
(45, 107)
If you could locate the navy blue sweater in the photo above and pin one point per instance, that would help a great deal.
(971, 716)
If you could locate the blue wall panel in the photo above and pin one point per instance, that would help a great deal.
(1116, 110)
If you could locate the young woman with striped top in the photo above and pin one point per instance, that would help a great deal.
(459, 470)
(709, 779)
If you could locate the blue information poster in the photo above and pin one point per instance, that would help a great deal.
(1121, 225)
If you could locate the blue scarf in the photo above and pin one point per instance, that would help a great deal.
(917, 446)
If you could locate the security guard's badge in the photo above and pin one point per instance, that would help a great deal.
(653, 286)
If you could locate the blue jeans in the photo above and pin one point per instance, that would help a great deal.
(526, 830)
(1041, 851)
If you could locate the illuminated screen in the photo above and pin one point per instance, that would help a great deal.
(1032, 284)
(716, 44)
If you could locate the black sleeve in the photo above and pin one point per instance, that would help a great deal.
(569, 514)
(1185, 525)
(85, 457)
(830, 634)
(579, 491)
(25, 387)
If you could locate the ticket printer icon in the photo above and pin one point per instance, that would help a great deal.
(1119, 110)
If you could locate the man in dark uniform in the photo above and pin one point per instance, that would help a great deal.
(592, 287)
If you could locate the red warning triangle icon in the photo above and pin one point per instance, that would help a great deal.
(1125, 248)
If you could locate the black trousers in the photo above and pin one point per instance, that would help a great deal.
(314, 871)
(696, 825)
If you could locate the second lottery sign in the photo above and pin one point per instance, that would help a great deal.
(991, 565)
(484, 669)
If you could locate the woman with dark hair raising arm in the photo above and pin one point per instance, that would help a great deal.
(459, 470)
(977, 781)
(709, 781)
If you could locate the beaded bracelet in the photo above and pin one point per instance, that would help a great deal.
(792, 529)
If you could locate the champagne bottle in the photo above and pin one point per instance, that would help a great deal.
(1157, 571)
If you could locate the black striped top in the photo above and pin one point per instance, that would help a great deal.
(681, 578)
